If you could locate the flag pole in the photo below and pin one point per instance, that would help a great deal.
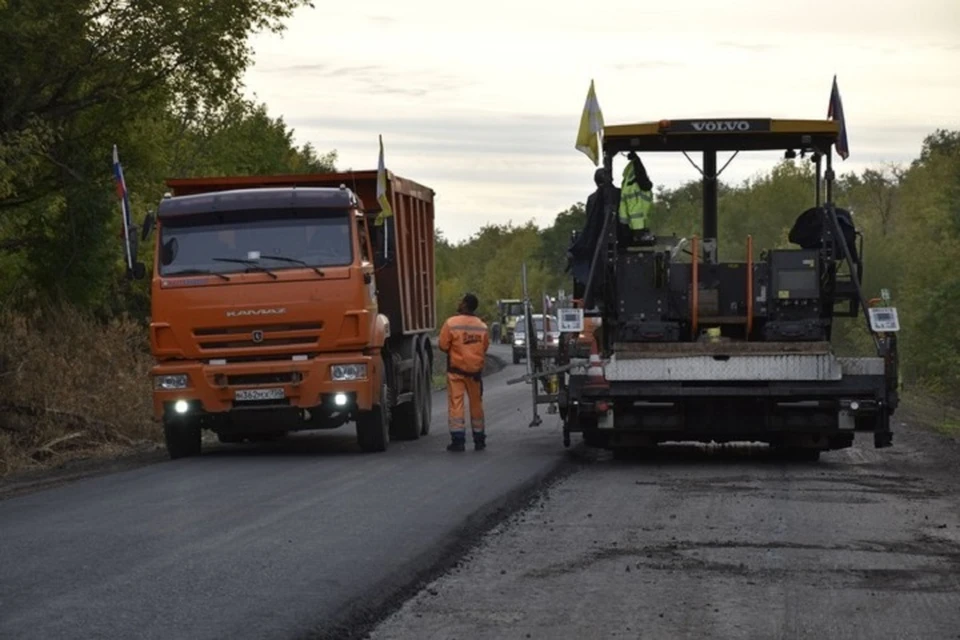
(124, 213)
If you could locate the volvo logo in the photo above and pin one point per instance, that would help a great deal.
(722, 125)
(257, 336)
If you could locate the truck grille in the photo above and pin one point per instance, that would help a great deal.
(260, 378)
(258, 337)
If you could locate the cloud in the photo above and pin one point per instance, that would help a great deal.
(646, 65)
(464, 134)
(752, 47)
(371, 78)
(486, 110)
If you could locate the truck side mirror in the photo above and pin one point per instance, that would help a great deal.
(138, 272)
(148, 224)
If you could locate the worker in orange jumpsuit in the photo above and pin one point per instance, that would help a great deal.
(465, 340)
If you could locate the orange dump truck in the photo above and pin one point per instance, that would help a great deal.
(278, 304)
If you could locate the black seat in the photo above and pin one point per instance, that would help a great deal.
(808, 230)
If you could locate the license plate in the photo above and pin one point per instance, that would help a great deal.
(245, 395)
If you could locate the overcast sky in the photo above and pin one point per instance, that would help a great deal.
(481, 101)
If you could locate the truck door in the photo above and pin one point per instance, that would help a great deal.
(366, 262)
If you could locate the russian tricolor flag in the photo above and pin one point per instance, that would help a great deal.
(124, 205)
(835, 112)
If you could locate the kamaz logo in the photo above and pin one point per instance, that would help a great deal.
(255, 312)
(722, 125)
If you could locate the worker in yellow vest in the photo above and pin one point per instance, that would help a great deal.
(636, 200)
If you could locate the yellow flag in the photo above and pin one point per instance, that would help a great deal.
(591, 127)
(385, 210)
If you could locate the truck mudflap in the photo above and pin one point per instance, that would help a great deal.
(340, 381)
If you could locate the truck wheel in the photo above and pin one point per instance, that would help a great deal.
(405, 423)
(272, 436)
(803, 454)
(516, 358)
(427, 375)
(798, 454)
(373, 427)
(182, 436)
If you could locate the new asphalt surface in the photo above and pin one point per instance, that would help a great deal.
(306, 537)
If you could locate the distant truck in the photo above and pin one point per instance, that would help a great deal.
(278, 304)
(509, 311)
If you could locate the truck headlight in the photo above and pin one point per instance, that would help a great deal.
(518, 343)
(170, 382)
(341, 372)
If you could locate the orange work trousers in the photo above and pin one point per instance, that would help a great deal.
(457, 386)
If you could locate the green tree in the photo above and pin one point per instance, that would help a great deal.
(160, 80)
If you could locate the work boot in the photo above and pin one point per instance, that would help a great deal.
(479, 441)
(457, 443)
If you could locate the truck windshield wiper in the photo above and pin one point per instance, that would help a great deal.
(198, 272)
(250, 263)
(294, 261)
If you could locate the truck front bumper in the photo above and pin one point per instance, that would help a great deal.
(212, 387)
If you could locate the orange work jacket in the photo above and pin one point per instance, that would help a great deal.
(465, 340)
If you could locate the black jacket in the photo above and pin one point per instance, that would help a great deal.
(580, 252)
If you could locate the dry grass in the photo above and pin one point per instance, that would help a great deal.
(933, 409)
(71, 387)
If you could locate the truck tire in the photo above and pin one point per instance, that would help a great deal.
(427, 404)
(804, 454)
(182, 437)
(516, 358)
(794, 453)
(407, 420)
(373, 427)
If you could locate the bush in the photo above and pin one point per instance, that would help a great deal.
(71, 386)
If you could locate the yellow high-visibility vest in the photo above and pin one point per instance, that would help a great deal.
(635, 203)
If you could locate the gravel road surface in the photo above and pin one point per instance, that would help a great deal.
(709, 543)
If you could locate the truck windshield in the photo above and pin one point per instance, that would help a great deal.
(537, 326)
(264, 240)
(514, 310)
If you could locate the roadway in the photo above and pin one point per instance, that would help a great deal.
(308, 538)
(302, 537)
(726, 543)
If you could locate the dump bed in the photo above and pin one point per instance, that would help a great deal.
(406, 283)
